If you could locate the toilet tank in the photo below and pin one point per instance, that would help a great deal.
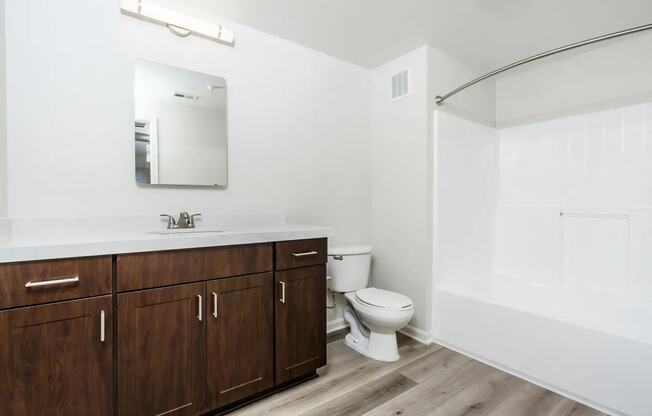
(348, 267)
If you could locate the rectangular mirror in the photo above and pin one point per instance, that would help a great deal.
(180, 130)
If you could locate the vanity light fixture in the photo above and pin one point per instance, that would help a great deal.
(178, 23)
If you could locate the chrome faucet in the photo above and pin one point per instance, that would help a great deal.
(185, 221)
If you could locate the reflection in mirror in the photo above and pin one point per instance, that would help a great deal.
(180, 126)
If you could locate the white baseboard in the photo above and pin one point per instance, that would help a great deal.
(336, 325)
(532, 380)
(417, 334)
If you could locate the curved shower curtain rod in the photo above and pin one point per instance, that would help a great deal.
(439, 100)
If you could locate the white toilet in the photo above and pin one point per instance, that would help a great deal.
(374, 315)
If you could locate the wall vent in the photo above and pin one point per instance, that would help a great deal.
(186, 95)
(400, 84)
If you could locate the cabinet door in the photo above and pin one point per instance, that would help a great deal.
(300, 321)
(240, 342)
(162, 351)
(56, 359)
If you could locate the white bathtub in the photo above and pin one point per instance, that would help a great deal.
(591, 347)
(543, 251)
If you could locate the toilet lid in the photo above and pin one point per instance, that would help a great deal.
(348, 250)
(383, 298)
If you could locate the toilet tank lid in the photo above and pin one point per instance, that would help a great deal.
(348, 250)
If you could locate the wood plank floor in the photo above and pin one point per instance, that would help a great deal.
(427, 380)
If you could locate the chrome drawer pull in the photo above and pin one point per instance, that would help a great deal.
(214, 305)
(305, 253)
(199, 304)
(102, 327)
(282, 292)
(53, 282)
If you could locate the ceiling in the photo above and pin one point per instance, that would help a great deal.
(483, 33)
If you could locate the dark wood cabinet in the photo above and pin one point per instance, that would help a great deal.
(148, 270)
(171, 362)
(56, 359)
(240, 338)
(301, 253)
(32, 283)
(162, 351)
(196, 330)
(300, 321)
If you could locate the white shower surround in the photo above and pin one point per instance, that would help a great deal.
(564, 300)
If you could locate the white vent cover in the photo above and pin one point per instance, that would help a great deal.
(186, 95)
(400, 84)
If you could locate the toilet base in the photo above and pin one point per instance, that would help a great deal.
(383, 346)
(379, 346)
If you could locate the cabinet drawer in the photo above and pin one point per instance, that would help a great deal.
(163, 268)
(31, 283)
(239, 260)
(300, 253)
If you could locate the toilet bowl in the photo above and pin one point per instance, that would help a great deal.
(374, 315)
(382, 313)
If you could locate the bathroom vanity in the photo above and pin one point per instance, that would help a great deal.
(177, 331)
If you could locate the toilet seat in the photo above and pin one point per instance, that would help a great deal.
(382, 299)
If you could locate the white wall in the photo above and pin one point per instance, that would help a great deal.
(446, 73)
(3, 114)
(403, 170)
(400, 207)
(607, 75)
(298, 120)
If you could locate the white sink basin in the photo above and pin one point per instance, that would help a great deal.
(185, 231)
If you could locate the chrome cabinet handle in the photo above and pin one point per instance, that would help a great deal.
(214, 305)
(102, 327)
(282, 292)
(55, 282)
(304, 254)
(199, 305)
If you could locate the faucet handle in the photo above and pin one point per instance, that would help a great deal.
(171, 221)
(191, 220)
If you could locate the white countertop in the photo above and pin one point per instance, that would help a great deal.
(41, 239)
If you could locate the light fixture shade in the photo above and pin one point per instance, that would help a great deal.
(147, 10)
